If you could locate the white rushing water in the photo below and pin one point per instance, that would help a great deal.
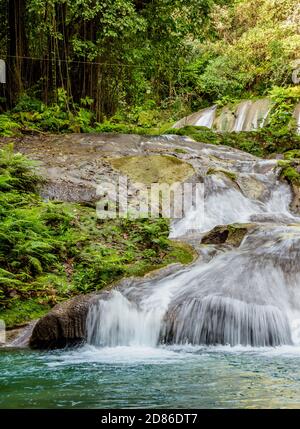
(248, 115)
(248, 295)
(241, 114)
(297, 118)
(206, 118)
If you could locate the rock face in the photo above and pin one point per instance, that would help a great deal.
(74, 165)
(295, 205)
(228, 234)
(19, 337)
(64, 325)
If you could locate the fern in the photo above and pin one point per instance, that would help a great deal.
(8, 126)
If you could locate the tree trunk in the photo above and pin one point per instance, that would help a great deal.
(17, 49)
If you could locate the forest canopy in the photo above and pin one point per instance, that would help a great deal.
(120, 57)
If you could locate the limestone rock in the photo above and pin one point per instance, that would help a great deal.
(64, 325)
(227, 234)
(19, 337)
(295, 205)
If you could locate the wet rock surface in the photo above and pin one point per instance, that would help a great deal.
(295, 206)
(74, 164)
(232, 235)
(19, 337)
(64, 325)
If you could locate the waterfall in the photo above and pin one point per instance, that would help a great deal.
(206, 117)
(223, 320)
(255, 114)
(249, 295)
(122, 323)
(248, 115)
(297, 117)
(225, 205)
(240, 114)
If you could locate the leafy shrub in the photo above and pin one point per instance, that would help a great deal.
(8, 126)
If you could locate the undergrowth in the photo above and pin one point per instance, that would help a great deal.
(263, 142)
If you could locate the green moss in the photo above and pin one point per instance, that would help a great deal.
(230, 174)
(153, 168)
(23, 311)
(181, 252)
(179, 150)
(292, 154)
(290, 174)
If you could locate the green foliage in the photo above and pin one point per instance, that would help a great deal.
(291, 175)
(262, 142)
(292, 154)
(143, 63)
(290, 168)
(281, 116)
(8, 126)
(20, 312)
(52, 251)
(32, 115)
(119, 53)
(17, 172)
(250, 46)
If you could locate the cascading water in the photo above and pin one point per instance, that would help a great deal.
(207, 117)
(297, 117)
(122, 323)
(241, 113)
(257, 114)
(248, 115)
(248, 295)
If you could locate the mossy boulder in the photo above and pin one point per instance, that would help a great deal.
(231, 235)
(230, 174)
(290, 172)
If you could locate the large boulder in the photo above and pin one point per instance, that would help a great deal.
(64, 325)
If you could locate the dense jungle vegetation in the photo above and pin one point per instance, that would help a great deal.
(82, 65)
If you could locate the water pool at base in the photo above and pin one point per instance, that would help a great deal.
(137, 377)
